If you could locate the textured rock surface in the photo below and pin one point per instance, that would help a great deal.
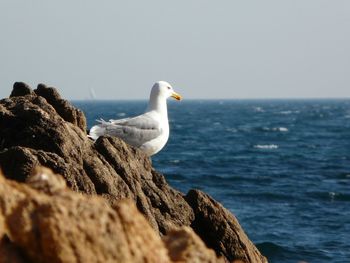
(20, 89)
(54, 224)
(34, 131)
(40, 128)
(70, 227)
(9, 253)
(62, 107)
(185, 246)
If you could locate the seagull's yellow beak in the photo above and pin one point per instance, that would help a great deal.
(176, 96)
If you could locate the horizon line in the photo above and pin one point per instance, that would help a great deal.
(222, 99)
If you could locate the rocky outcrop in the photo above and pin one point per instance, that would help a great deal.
(220, 229)
(32, 132)
(39, 128)
(55, 224)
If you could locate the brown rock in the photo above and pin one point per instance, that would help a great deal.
(63, 107)
(64, 226)
(163, 206)
(70, 227)
(185, 246)
(220, 229)
(40, 128)
(20, 89)
(9, 253)
(43, 179)
(32, 132)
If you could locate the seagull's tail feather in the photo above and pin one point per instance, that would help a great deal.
(97, 131)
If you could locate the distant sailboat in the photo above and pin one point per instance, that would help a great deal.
(92, 94)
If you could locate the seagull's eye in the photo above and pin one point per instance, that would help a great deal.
(169, 88)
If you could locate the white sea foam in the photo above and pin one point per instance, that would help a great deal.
(121, 114)
(286, 112)
(332, 195)
(265, 128)
(259, 109)
(266, 146)
(281, 129)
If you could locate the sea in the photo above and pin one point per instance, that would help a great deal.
(282, 167)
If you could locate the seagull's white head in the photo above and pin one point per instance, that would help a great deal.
(165, 90)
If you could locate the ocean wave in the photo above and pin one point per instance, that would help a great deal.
(266, 196)
(259, 109)
(274, 251)
(266, 146)
(271, 248)
(287, 112)
(232, 130)
(175, 178)
(330, 196)
(278, 253)
(280, 129)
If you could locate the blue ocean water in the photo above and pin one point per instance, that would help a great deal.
(281, 166)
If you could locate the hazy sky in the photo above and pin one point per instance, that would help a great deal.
(205, 49)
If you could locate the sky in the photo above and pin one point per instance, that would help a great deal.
(205, 49)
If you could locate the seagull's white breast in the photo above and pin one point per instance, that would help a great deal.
(153, 146)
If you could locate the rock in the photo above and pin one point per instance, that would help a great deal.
(185, 246)
(63, 107)
(221, 230)
(163, 206)
(64, 226)
(32, 133)
(70, 227)
(41, 129)
(43, 179)
(9, 253)
(20, 89)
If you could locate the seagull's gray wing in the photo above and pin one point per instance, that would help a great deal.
(135, 131)
(118, 121)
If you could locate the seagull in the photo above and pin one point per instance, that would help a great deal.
(150, 131)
